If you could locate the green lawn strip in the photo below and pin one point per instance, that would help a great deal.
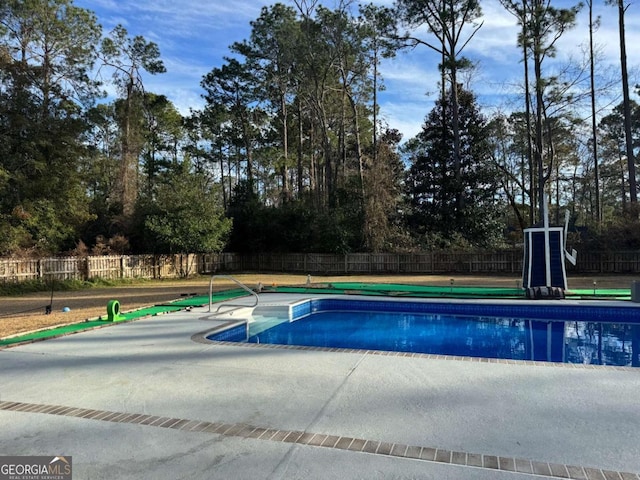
(150, 311)
(126, 316)
(408, 290)
(604, 292)
(472, 290)
(392, 288)
(87, 325)
(429, 291)
(54, 332)
(200, 300)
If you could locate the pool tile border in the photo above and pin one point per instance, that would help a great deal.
(619, 313)
(321, 440)
(241, 325)
(201, 338)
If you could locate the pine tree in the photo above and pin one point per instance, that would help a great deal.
(445, 205)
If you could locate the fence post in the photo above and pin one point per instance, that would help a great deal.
(123, 266)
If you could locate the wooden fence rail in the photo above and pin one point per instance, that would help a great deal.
(107, 267)
(174, 266)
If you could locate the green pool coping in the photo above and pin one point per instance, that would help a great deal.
(371, 289)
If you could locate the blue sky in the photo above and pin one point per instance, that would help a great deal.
(194, 36)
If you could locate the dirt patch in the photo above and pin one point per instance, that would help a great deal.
(27, 313)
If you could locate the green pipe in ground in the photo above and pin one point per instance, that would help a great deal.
(113, 311)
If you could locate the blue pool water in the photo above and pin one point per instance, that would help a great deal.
(543, 333)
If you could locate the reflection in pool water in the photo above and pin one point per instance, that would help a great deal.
(602, 333)
(493, 337)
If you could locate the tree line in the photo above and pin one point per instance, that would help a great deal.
(289, 152)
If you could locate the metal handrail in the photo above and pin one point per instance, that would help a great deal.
(237, 282)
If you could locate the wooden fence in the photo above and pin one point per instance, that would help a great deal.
(369, 263)
(508, 262)
(107, 267)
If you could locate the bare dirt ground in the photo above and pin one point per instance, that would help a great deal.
(25, 313)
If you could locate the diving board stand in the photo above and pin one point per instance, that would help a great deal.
(544, 274)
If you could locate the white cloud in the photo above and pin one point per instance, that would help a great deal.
(194, 36)
(496, 41)
(406, 117)
(417, 74)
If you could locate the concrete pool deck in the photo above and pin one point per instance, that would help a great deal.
(142, 400)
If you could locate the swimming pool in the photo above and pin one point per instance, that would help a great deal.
(604, 334)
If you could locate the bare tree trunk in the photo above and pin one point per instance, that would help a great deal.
(248, 148)
(633, 194)
(539, 143)
(375, 106)
(326, 154)
(313, 172)
(128, 162)
(594, 125)
(224, 193)
(623, 189)
(286, 193)
(527, 94)
(356, 126)
(300, 148)
(455, 120)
